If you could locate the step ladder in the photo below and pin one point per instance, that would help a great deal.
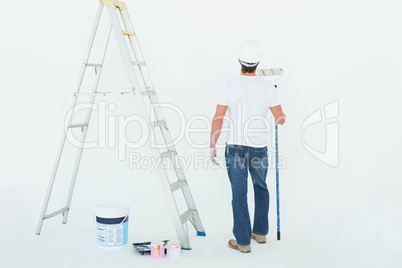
(121, 32)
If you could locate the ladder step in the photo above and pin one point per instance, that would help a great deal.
(148, 93)
(158, 123)
(177, 185)
(167, 154)
(128, 33)
(187, 215)
(78, 125)
(93, 65)
(56, 213)
(138, 62)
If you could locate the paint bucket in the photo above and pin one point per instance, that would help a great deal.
(157, 250)
(112, 225)
(173, 249)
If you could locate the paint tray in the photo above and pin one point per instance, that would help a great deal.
(145, 247)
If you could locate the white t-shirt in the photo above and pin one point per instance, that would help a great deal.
(248, 99)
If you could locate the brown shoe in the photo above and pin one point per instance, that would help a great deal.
(233, 244)
(261, 239)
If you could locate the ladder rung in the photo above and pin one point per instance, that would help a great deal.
(128, 33)
(122, 91)
(148, 93)
(78, 125)
(187, 215)
(93, 65)
(106, 93)
(91, 94)
(158, 123)
(177, 185)
(55, 213)
(167, 153)
(138, 63)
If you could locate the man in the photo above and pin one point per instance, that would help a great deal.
(247, 98)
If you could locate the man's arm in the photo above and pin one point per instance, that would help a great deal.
(278, 114)
(217, 123)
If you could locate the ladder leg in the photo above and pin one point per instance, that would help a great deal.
(135, 46)
(89, 48)
(191, 205)
(74, 177)
(174, 212)
(60, 151)
(84, 134)
(178, 224)
(50, 186)
(195, 219)
(182, 236)
(128, 65)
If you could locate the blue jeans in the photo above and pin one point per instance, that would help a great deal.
(239, 161)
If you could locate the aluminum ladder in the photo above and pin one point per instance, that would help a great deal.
(114, 8)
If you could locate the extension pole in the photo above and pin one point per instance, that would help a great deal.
(278, 222)
(275, 72)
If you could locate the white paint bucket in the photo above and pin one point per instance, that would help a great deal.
(173, 249)
(112, 225)
(157, 250)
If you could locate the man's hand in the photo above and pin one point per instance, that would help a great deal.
(212, 155)
(281, 119)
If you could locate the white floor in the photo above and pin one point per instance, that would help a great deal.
(71, 246)
(305, 243)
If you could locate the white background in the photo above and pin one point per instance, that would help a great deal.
(350, 51)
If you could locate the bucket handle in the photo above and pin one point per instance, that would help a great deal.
(123, 220)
